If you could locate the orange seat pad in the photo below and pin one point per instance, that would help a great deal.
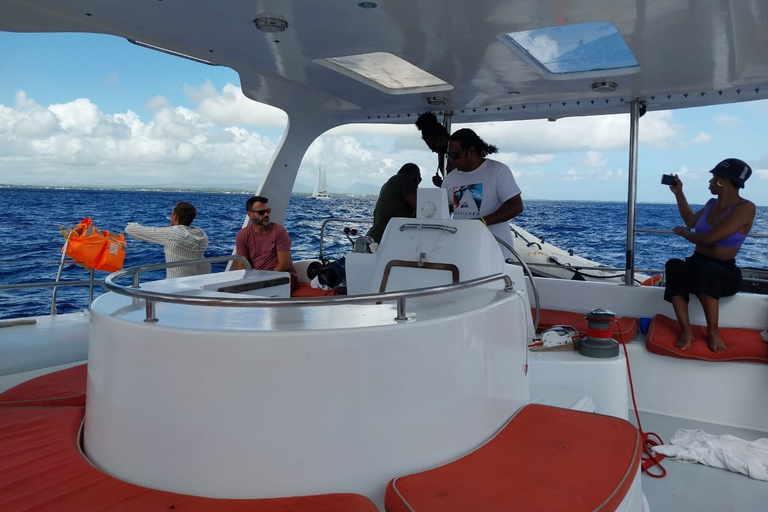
(61, 388)
(544, 459)
(744, 345)
(623, 330)
(42, 469)
(305, 290)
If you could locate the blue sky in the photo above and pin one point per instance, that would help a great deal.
(93, 110)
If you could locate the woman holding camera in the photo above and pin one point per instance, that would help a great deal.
(719, 229)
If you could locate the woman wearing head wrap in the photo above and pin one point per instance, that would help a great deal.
(435, 136)
(719, 229)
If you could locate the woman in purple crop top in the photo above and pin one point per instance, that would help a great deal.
(719, 229)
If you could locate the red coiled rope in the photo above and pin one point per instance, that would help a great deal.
(650, 439)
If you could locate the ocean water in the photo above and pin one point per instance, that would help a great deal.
(31, 240)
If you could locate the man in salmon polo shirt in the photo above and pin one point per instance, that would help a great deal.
(264, 244)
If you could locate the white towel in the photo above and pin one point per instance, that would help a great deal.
(725, 452)
(315, 283)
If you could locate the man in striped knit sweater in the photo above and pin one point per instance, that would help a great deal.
(179, 240)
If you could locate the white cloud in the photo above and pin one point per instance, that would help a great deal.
(701, 138)
(222, 139)
(593, 160)
(37, 124)
(79, 115)
(592, 175)
(75, 143)
(597, 133)
(231, 107)
(157, 103)
(727, 121)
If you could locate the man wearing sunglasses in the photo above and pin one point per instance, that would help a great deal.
(481, 188)
(397, 198)
(264, 244)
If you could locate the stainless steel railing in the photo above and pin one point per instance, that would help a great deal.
(102, 282)
(400, 297)
(669, 232)
(137, 271)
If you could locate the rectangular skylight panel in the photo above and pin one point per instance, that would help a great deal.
(386, 72)
(574, 51)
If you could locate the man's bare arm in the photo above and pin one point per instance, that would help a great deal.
(283, 261)
(509, 209)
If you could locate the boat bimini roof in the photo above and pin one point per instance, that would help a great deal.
(386, 61)
(328, 63)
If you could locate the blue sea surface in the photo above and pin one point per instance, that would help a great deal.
(31, 240)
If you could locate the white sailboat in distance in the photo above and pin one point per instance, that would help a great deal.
(320, 191)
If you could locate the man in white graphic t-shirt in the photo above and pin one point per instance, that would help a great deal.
(482, 188)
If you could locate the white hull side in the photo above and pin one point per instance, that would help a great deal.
(307, 409)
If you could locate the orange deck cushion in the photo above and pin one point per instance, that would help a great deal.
(623, 330)
(544, 459)
(42, 469)
(64, 387)
(743, 344)
(305, 290)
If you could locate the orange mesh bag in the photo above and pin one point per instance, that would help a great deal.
(113, 254)
(93, 248)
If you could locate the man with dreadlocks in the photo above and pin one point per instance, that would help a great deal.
(481, 188)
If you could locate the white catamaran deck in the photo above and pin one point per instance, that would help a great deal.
(685, 487)
(174, 384)
(696, 487)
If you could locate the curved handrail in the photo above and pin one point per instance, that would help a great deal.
(102, 282)
(439, 227)
(537, 302)
(51, 284)
(670, 232)
(400, 296)
(136, 271)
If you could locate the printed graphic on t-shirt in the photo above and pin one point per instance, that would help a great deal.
(467, 200)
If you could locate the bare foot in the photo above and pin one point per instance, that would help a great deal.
(715, 342)
(684, 340)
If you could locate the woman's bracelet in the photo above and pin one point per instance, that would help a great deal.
(482, 219)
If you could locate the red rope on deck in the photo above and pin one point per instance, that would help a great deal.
(650, 439)
(601, 333)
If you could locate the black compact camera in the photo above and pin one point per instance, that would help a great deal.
(668, 179)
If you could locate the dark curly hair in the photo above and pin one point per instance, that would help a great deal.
(469, 139)
(430, 127)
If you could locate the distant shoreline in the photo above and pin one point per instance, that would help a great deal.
(339, 195)
(167, 189)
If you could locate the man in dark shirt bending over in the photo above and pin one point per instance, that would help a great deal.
(397, 198)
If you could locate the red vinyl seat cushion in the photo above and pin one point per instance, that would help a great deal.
(743, 344)
(544, 459)
(42, 469)
(623, 330)
(61, 388)
(306, 290)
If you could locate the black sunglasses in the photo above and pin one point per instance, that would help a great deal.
(260, 212)
(455, 154)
